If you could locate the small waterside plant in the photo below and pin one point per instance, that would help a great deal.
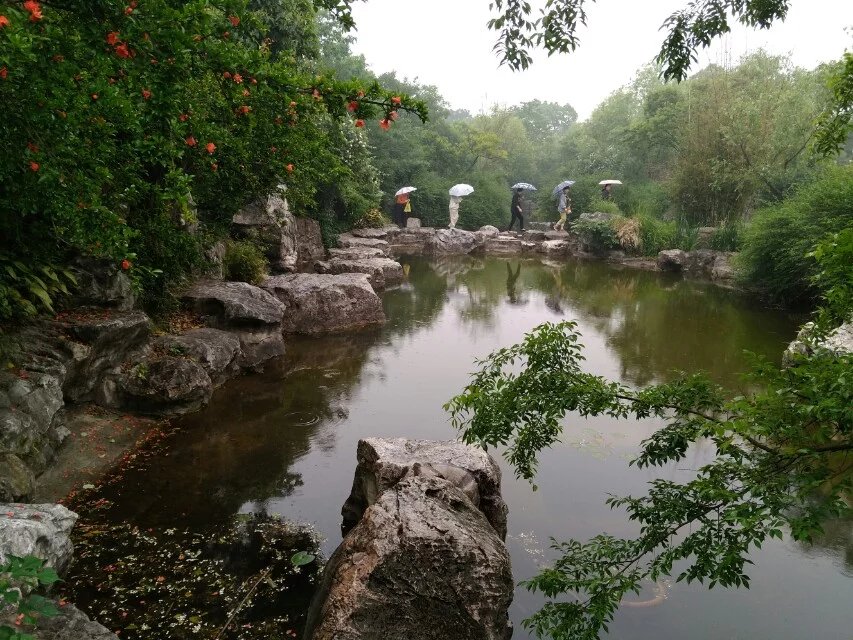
(19, 578)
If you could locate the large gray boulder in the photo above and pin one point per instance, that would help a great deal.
(452, 241)
(723, 267)
(423, 563)
(503, 245)
(17, 481)
(348, 241)
(381, 272)
(383, 462)
(71, 624)
(309, 243)
(218, 352)
(553, 248)
(165, 385)
(40, 530)
(270, 225)
(356, 253)
(807, 343)
(249, 312)
(101, 283)
(324, 303)
(673, 260)
(101, 341)
(488, 231)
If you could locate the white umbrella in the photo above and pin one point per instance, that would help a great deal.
(603, 182)
(524, 186)
(405, 190)
(461, 190)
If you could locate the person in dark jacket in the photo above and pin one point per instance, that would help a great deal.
(516, 211)
(399, 211)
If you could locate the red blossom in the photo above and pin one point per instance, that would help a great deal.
(244, 109)
(234, 20)
(35, 10)
(191, 141)
(352, 106)
(292, 104)
(183, 117)
(58, 58)
(112, 38)
(4, 21)
(3, 73)
(128, 11)
(94, 96)
(254, 81)
(360, 94)
(238, 78)
(122, 51)
(34, 166)
(33, 148)
(289, 168)
(359, 123)
(393, 115)
(126, 264)
(225, 35)
(385, 124)
(395, 100)
(226, 75)
(146, 94)
(210, 147)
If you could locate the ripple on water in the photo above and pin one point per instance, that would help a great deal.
(302, 418)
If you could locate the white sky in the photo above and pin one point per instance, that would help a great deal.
(446, 43)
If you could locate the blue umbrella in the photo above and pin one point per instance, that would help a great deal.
(561, 186)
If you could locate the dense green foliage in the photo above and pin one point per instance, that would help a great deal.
(19, 577)
(781, 458)
(124, 125)
(779, 237)
(244, 262)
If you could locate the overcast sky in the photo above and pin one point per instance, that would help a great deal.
(447, 43)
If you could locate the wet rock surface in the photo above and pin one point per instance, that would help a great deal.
(422, 563)
(452, 241)
(325, 303)
(382, 272)
(270, 225)
(40, 530)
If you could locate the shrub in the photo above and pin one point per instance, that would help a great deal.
(604, 206)
(373, 219)
(655, 235)
(727, 237)
(628, 233)
(597, 234)
(244, 262)
(26, 288)
(644, 198)
(773, 258)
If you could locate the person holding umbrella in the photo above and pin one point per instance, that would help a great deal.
(516, 210)
(564, 208)
(456, 194)
(607, 188)
(402, 206)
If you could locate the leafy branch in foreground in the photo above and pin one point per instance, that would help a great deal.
(777, 450)
(18, 577)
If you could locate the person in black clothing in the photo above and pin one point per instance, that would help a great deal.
(516, 211)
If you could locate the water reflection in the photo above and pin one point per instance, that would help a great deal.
(285, 441)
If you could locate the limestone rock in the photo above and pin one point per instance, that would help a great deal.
(218, 352)
(322, 303)
(488, 231)
(101, 283)
(234, 304)
(41, 530)
(556, 235)
(422, 564)
(309, 242)
(838, 341)
(452, 241)
(17, 481)
(555, 247)
(503, 244)
(71, 624)
(165, 385)
(270, 225)
(413, 223)
(723, 269)
(381, 272)
(672, 260)
(356, 253)
(370, 233)
(382, 462)
(347, 241)
(534, 235)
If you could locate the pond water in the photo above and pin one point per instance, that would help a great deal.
(285, 441)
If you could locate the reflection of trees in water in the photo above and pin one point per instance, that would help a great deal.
(419, 301)
(837, 540)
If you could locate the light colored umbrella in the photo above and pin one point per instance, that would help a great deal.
(405, 190)
(524, 186)
(461, 190)
(603, 182)
(561, 186)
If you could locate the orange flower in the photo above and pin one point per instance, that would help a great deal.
(146, 94)
(94, 96)
(244, 110)
(289, 168)
(112, 38)
(32, 148)
(34, 166)
(292, 104)
(35, 10)
(225, 35)
(254, 81)
(238, 78)
(128, 11)
(395, 100)
(226, 75)
(210, 147)
(183, 117)
(4, 21)
(352, 106)
(359, 123)
(4, 72)
(234, 20)
(58, 58)
(385, 124)
(360, 94)
(393, 115)
(122, 51)
(191, 141)
(126, 264)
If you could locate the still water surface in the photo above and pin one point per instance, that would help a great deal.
(285, 442)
